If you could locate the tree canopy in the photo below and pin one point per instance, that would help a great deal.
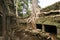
(23, 8)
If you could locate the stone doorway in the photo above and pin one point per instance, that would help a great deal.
(51, 29)
(38, 26)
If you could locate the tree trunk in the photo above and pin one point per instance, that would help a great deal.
(4, 20)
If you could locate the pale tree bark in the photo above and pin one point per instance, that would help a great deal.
(34, 13)
(16, 4)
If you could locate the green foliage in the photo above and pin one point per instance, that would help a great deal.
(27, 14)
(21, 5)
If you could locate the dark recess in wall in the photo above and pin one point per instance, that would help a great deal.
(38, 26)
(51, 29)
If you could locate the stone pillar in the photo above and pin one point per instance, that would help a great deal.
(43, 28)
